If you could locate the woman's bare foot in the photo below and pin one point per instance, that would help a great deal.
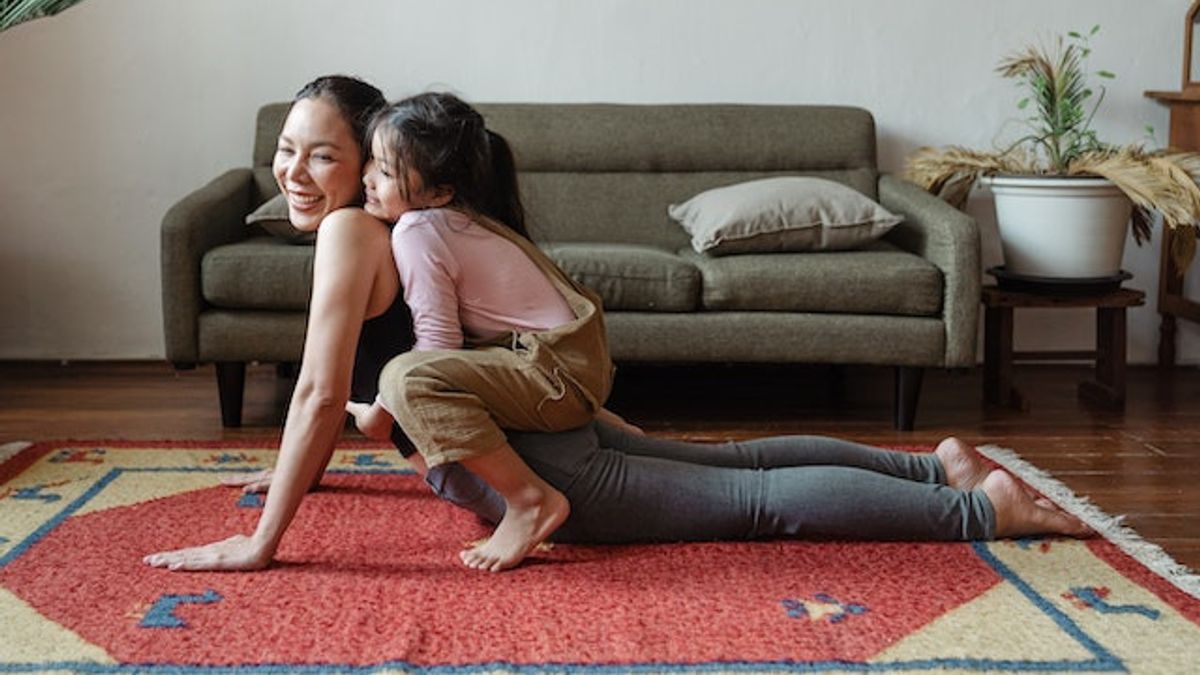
(964, 467)
(526, 522)
(1018, 514)
(373, 420)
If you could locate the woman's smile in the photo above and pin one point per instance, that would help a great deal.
(303, 201)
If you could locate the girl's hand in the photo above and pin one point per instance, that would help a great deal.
(251, 481)
(238, 553)
(612, 419)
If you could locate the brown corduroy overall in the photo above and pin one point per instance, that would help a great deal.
(454, 403)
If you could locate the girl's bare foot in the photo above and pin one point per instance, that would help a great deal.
(1018, 514)
(965, 469)
(373, 420)
(527, 521)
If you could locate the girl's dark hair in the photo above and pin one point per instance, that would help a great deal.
(444, 141)
(357, 101)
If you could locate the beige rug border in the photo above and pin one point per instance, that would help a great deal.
(1110, 527)
(10, 450)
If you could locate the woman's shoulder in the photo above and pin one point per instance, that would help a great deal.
(353, 218)
(352, 214)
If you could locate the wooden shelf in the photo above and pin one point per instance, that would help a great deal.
(1185, 96)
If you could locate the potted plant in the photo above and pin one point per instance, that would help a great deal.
(1063, 197)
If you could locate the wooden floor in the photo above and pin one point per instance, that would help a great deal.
(1144, 462)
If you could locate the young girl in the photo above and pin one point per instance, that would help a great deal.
(537, 354)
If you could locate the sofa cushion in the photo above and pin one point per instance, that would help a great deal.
(631, 277)
(878, 279)
(272, 216)
(631, 207)
(258, 273)
(788, 213)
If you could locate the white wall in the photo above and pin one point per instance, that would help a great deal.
(114, 109)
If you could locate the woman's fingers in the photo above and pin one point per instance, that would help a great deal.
(237, 553)
(246, 478)
(251, 481)
(170, 559)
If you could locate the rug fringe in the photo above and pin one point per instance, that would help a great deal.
(1110, 527)
(9, 450)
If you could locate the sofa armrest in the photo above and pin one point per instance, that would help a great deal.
(209, 217)
(949, 239)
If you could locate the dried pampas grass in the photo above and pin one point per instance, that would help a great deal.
(1164, 181)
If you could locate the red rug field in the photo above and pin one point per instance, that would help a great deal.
(367, 580)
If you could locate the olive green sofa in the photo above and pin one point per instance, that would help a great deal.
(597, 180)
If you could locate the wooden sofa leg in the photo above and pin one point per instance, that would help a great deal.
(908, 392)
(231, 383)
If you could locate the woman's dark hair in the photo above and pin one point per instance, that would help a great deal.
(444, 141)
(357, 101)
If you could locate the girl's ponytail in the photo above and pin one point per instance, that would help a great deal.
(504, 200)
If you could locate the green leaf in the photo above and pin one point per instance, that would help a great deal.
(1095, 29)
(1075, 35)
(13, 12)
(1022, 104)
(1105, 74)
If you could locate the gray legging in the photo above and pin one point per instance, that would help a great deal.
(626, 488)
(629, 488)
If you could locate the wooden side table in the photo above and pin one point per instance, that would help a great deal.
(1185, 135)
(1108, 388)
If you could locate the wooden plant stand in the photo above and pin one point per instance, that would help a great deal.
(1106, 390)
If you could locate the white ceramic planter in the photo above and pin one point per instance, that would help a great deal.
(1062, 228)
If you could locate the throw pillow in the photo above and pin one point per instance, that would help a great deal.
(272, 216)
(789, 213)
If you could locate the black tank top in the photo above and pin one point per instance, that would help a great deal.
(382, 337)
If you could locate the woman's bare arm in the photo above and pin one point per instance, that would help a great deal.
(350, 282)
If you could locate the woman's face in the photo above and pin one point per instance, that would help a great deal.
(318, 162)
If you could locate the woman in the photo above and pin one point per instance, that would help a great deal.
(318, 166)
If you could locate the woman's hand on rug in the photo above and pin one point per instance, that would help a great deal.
(238, 553)
(258, 481)
(250, 481)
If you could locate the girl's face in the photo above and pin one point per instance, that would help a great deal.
(386, 196)
(317, 162)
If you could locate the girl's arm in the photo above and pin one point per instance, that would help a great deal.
(351, 259)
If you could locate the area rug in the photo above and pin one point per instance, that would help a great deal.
(367, 581)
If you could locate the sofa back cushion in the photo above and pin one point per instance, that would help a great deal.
(607, 172)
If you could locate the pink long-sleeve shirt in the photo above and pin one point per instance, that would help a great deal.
(462, 280)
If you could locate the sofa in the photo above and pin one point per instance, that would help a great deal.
(597, 180)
